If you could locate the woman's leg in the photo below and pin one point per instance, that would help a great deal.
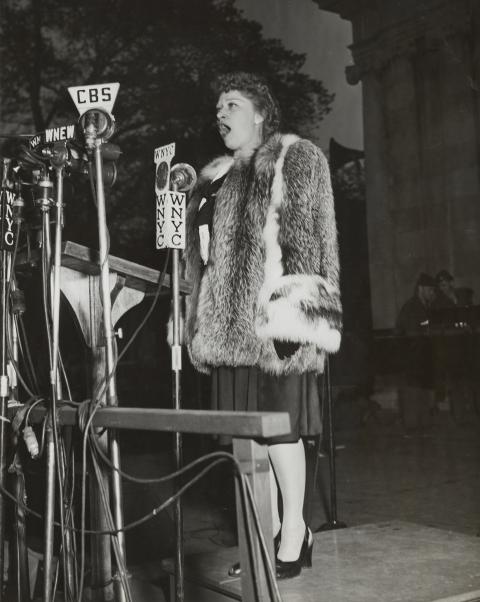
(276, 524)
(288, 461)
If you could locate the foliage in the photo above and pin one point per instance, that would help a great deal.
(164, 54)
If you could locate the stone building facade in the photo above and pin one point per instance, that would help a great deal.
(419, 64)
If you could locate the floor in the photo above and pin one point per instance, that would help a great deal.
(384, 471)
(370, 563)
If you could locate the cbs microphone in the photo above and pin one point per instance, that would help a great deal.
(182, 177)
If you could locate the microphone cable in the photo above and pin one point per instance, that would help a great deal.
(87, 410)
(11, 357)
(246, 499)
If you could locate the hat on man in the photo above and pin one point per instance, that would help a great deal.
(443, 275)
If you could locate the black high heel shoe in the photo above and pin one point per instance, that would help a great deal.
(289, 569)
(236, 570)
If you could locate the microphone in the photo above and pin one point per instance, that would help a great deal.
(96, 123)
(182, 177)
(6, 164)
(43, 192)
(78, 162)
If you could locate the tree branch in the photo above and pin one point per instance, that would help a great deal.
(35, 82)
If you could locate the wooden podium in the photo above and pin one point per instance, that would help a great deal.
(80, 285)
(130, 282)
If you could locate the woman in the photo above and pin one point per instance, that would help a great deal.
(265, 307)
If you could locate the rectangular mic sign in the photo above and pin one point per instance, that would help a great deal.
(57, 134)
(163, 156)
(7, 233)
(171, 209)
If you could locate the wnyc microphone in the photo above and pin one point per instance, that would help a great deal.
(182, 177)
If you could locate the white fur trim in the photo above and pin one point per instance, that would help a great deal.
(216, 167)
(288, 323)
(303, 288)
(224, 168)
(283, 318)
(273, 254)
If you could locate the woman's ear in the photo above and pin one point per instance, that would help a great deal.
(258, 119)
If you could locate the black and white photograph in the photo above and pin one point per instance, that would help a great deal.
(240, 301)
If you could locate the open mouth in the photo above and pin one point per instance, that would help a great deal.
(223, 129)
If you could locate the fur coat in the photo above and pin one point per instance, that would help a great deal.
(272, 271)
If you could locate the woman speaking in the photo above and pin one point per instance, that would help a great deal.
(262, 257)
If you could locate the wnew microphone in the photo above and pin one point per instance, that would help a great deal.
(182, 177)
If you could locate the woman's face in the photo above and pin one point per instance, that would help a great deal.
(239, 122)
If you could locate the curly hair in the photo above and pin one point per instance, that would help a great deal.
(258, 91)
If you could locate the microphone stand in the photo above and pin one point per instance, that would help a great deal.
(45, 202)
(18, 547)
(182, 179)
(94, 142)
(333, 522)
(177, 396)
(51, 293)
(58, 160)
(4, 382)
(4, 391)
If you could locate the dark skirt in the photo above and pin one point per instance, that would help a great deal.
(248, 389)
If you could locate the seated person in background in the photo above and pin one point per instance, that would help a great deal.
(453, 367)
(413, 315)
(448, 295)
(415, 394)
(445, 294)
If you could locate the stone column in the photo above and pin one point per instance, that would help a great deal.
(379, 220)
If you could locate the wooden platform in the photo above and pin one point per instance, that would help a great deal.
(382, 562)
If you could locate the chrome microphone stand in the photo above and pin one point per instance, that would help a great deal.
(4, 385)
(98, 126)
(177, 404)
(51, 297)
(45, 202)
(3, 411)
(58, 159)
(18, 546)
(182, 179)
(332, 522)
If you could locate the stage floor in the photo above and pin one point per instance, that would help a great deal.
(383, 562)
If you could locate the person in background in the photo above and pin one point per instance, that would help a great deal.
(446, 295)
(454, 354)
(415, 391)
(265, 307)
(414, 314)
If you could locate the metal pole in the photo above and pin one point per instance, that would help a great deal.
(176, 389)
(111, 392)
(333, 523)
(20, 553)
(54, 377)
(48, 572)
(18, 546)
(56, 385)
(52, 278)
(3, 402)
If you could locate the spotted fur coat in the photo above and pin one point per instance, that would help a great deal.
(272, 271)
